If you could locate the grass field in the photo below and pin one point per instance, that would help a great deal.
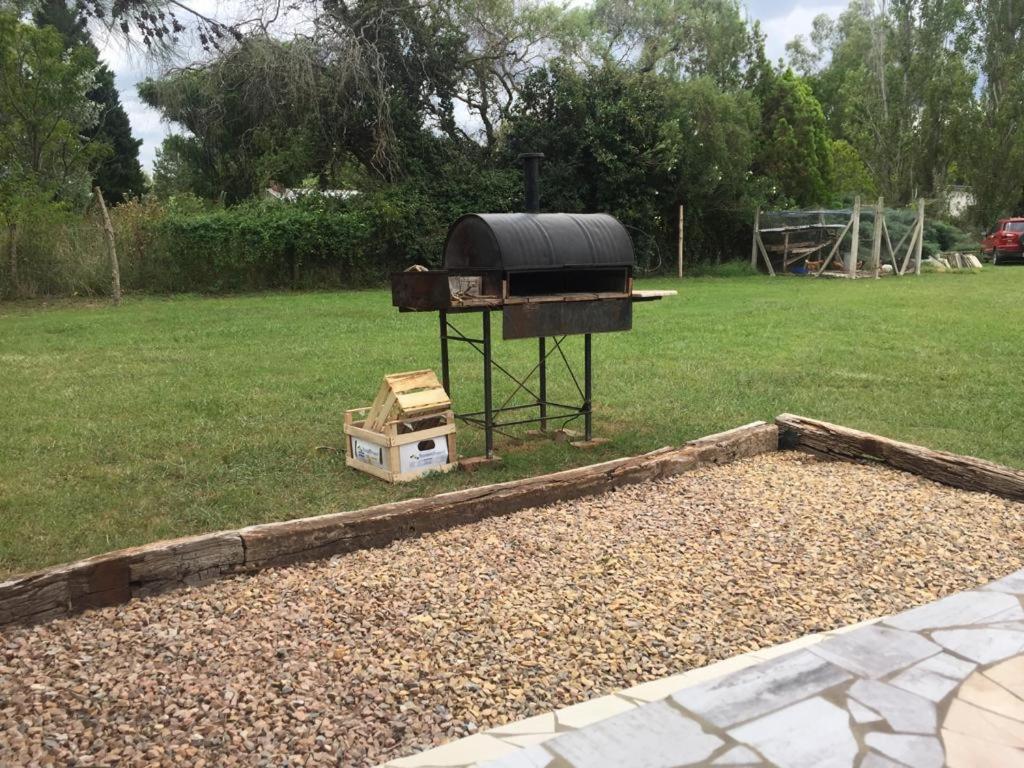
(170, 416)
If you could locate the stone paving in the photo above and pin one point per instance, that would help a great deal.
(939, 685)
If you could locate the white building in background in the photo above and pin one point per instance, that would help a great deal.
(958, 199)
(291, 194)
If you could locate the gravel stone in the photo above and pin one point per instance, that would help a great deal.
(382, 653)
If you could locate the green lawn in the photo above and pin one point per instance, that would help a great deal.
(171, 416)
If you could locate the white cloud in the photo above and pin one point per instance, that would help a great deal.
(781, 22)
(798, 20)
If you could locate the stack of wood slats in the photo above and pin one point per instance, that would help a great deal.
(406, 396)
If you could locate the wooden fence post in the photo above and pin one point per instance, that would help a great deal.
(851, 262)
(108, 229)
(12, 252)
(920, 236)
(680, 240)
(876, 242)
(753, 244)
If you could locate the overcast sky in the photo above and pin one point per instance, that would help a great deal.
(781, 21)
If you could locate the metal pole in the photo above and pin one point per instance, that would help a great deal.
(588, 428)
(446, 380)
(542, 368)
(531, 181)
(488, 415)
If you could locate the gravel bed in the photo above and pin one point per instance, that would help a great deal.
(383, 653)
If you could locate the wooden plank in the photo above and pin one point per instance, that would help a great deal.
(967, 472)
(282, 543)
(679, 256)
(753, 241)
(424, 401)
(653, 294)
(407, 382)
(183, 562)
(835, 248)
(876, 237)
(920, 236)
(888, 243)
(119, 576)
(378, 403)
(764, 253)
(854, 252)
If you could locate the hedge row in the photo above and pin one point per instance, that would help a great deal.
(186, 245)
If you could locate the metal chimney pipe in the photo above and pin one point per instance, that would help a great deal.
(531, 180)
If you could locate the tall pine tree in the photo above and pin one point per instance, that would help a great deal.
(119, 175)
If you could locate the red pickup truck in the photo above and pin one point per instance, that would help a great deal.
(1005, 241)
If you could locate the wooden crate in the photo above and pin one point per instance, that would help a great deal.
(394, 439)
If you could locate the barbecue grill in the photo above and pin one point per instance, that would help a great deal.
(551, 275)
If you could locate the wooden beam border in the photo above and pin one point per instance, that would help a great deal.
(965, 472)
(120, 576)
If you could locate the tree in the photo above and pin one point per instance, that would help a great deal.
(894, 82)
(637, 144)
(119, 174)
(994, 152)
(682, 38)
(794, 150)
(44, 110)
(506, 41)
(850, 177)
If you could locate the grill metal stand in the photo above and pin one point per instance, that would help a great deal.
(488, 418)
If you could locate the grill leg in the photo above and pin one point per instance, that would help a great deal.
(488, 405)
(543, 374)
(588, 371)
(445, 376)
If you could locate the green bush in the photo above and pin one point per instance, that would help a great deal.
(185, 244)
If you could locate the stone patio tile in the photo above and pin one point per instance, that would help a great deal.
(760, 689)
(963, 751)
(981, 645)
(719, 669)
(924, 682)
(957, 610)
(988, 694)
(526, 739)
(653, 736)
(911, 751)
(934, 677)
(875, 760)
(854, 627)
(531, 757)
(860, 713)
(473, 749)
(1014, 584)
(774, 651)
(948, 666)
(1009, 674)
(655, 690)
(875, 651)
(587, 712)
(904, 711)
(738, 756)
(979, 723)
(537, 724)
(811, 734)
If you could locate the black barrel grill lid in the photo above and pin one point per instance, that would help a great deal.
(514, 242)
